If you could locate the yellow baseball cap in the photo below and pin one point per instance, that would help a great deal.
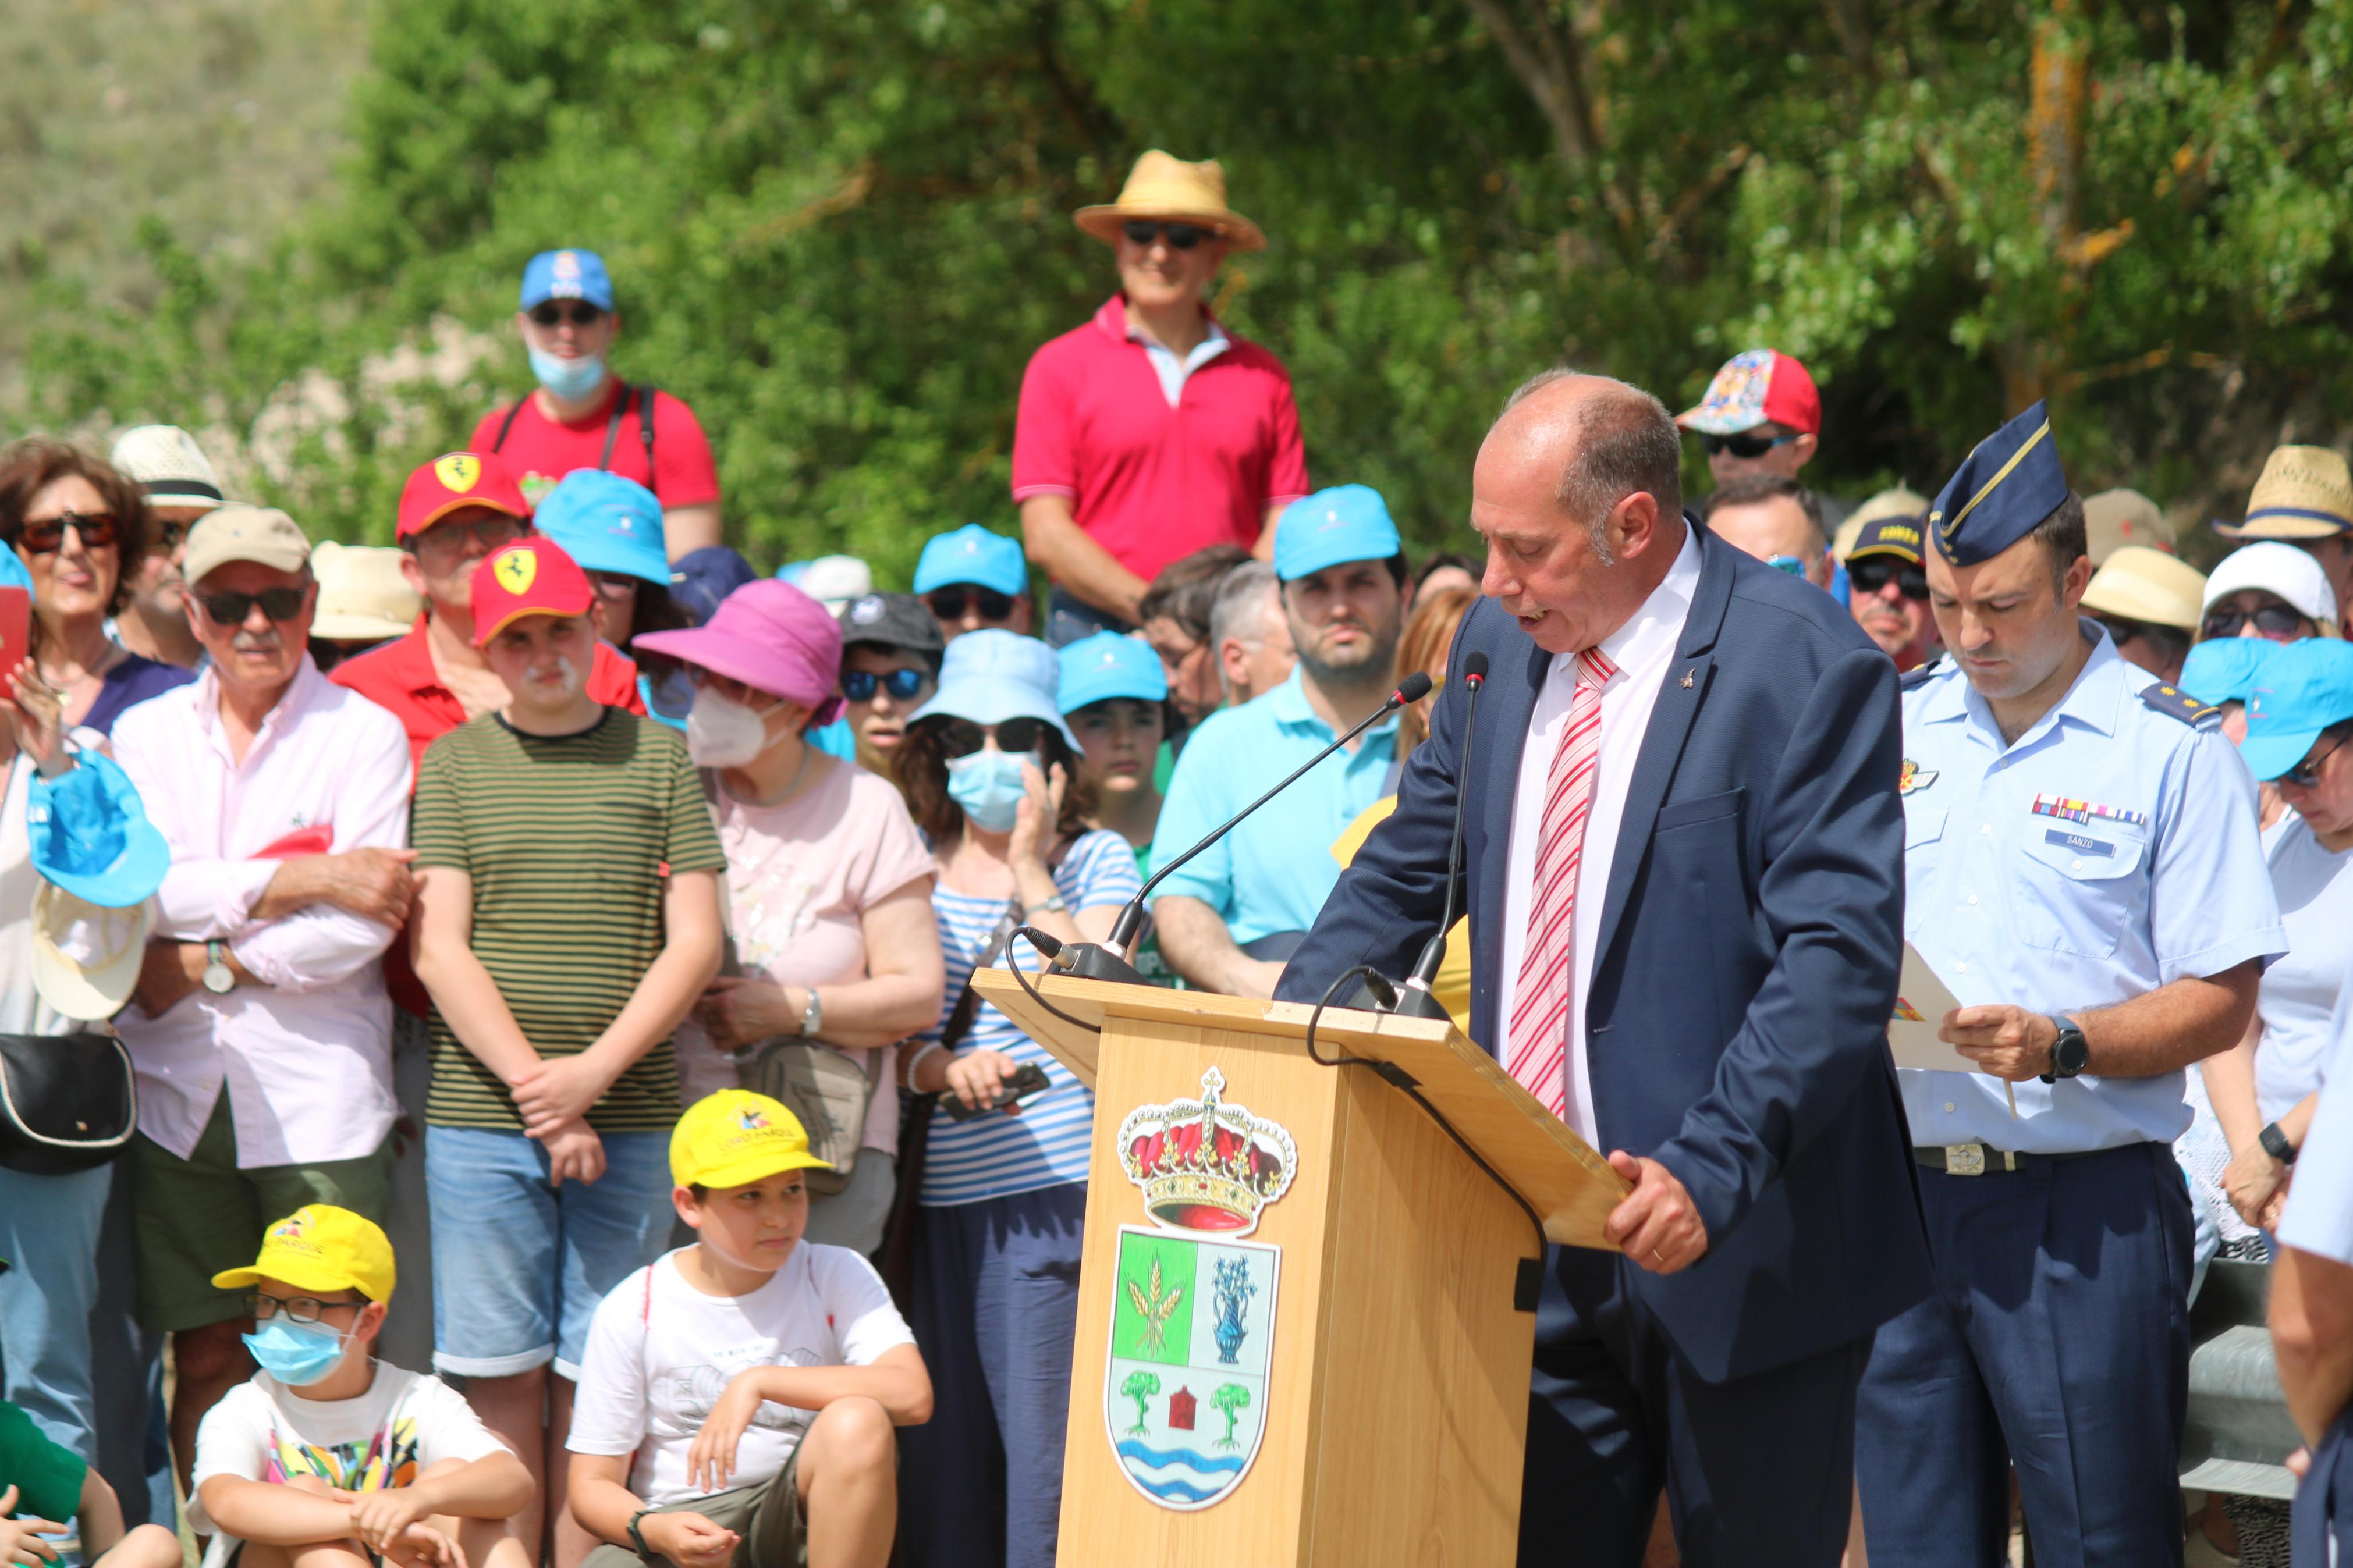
(320, 1247)
(734, 1138)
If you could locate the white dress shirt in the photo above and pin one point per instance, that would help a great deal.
(305, 1056)
(1642, 650)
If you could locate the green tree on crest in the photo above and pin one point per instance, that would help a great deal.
(1141, 1386)
(1230, 1400)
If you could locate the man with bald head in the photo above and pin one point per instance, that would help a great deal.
(1682, 848)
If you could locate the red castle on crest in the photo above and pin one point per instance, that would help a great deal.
(1180, 1410)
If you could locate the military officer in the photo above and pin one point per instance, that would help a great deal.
(2082, 868)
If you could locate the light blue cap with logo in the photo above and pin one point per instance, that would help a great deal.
(2304, 688)
(567, 275)
(2223, 670)
(1346, 522)
(1099, 668)
(973, 554)
(90, 835)
(606, 523)
(993, 675)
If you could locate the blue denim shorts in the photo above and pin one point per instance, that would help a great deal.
(519, 1265)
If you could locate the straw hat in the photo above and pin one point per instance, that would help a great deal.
(2139, 584)
(1162, 186)
(362, 597)
(2306, 492)
(1895, 503)
(2115, 519)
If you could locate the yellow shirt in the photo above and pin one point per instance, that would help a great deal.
(1452, 986)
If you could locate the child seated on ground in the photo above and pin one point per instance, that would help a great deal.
(738, 1396)
(328, 1458)
(52, 1486)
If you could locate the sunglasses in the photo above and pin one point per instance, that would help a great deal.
(859, 685)
(168, 539)
(950, 603)
(2306, 775)
(1180, 236)
(444, 541)
(1875, 572)
(44, 535)
(551, 313)
(293, 1309)
(613, 585)
(1743, 445)
(2279, 622)
(229, 608)
(961, 737)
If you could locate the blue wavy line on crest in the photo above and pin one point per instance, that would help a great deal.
(1179, 1490)
(1189, 1458)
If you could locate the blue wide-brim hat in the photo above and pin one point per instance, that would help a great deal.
(1107, 664)
(606, 523)
(991, 676)
(90, 835)
(2304, 688)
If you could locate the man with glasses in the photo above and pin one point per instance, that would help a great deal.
(1775, 519)
(1887, 590)
(261, 1031)
(1151, 431)
(584, 416)
(2148, 602)
(890, 654)
(164, 462)
(973, 579)
(1760, 415)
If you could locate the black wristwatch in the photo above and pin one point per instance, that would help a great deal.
(637, 1538)
(2275, 1144)
(2070, 1053)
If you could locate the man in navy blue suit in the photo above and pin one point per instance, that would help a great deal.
(1683, 848)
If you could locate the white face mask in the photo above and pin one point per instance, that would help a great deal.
(722, 733)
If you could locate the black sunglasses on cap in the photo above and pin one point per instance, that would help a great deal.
(961, 737)
(859, 685)
(2275, 621)
(1181, 236)
(228, 608)
(1873, 572)
(565, 313)
(1743, 444)
(949, 604)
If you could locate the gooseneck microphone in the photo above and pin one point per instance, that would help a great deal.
(1414, 998)
(1108, 959)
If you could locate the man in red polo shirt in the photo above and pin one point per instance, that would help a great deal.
(1151, 432)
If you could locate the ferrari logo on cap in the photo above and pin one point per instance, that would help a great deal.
(515, 569)
(459, 471)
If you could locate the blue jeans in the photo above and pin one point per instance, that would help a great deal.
(520, 1264)
(48, 1234)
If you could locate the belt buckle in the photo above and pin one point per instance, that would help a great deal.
(1965, 1159)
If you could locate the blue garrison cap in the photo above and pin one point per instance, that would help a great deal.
(1999, 492)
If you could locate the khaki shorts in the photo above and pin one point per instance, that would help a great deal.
(196, 1216)
(767, 1517)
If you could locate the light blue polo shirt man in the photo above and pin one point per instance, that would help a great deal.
(1272, 873)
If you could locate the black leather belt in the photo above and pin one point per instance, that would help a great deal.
(1977, 1159)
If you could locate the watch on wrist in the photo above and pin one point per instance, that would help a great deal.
(2275, 1144)
(636, 1535)
(812, 1015)
(219, 978)
(2070, 1053)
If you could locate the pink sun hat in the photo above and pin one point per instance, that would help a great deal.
(771, 636)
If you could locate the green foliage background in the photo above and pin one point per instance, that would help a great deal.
(840, 226)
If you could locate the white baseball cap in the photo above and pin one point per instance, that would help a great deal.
(166, 462)
(2276, 568)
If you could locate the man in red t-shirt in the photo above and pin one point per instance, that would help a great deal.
(584, 416)
(1151, 432)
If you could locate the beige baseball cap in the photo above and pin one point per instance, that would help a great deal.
(261, 534)
(2139, 584)
(86, 959)
(363, 596)
(2121, 517)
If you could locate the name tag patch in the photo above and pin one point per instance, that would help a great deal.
(2072, 810)
(2082, 843)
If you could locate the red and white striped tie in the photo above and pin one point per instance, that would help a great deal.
(1539, 1032)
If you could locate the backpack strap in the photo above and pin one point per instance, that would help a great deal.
(646, 431)
(507, 424)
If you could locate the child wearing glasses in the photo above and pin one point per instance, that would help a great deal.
(329, 1455)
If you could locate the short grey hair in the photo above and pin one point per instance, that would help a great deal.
(1626, 441)
(1239, 609)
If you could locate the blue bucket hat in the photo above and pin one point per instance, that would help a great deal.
(1346, 522)
(993, 675)
(2011, 482)
(567, 275)
(2224, 669)
(90, 835)
(2302, 689)
(606, 523)
(973, 554)
(1099, 668)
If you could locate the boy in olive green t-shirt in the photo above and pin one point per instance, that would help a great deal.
(567, 916)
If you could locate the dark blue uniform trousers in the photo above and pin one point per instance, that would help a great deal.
(1758, 1469)
(2323, 1503)
(2058, 1342)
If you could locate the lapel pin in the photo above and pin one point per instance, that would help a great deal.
(1687, 675)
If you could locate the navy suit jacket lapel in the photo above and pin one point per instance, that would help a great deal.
(1499, 745)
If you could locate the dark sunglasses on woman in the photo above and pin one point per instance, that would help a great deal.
(228, 608)
(1873, 572)
(565, 313)
(961, 737)
(42, 535)
(2306, 774)
(2279, 622)
(1181, 236)
(859, 685)
(948, 603)
(1743, 444)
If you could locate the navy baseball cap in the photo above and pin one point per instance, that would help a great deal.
(2302, 689)
(1099, 668)
(1346, 522)
(973, 554)
(567, 275)
(700, 580)
(2000, 492)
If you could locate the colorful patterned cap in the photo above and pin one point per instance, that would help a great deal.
(1758, 387)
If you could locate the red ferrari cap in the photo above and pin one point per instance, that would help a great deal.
(532, 576)
(454, 479)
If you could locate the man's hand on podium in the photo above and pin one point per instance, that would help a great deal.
(1656, 1224)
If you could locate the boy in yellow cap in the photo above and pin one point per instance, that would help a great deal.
(738, 1397)
(330, 1455)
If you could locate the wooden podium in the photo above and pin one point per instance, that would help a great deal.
(1303, 1331)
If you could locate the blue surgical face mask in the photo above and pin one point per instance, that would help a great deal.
(988, 785)
(569, 379)
(296, 1354)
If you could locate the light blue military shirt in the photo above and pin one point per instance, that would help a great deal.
(1273, 872)
(2112, 850)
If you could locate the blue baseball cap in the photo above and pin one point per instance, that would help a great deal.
(973, 554)
(567, 275)
(90, 835)
(2224, 669)
(2304, 688)
(606, 523)
(1099, 668)
(993, 675)
(702, 580)
(1346, 522)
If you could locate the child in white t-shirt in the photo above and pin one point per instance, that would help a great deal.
(327, 1454)
(741, 1392)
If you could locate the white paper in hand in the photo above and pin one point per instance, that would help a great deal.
(1922, 1000)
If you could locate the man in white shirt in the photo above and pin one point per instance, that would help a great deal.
(261, 1031)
